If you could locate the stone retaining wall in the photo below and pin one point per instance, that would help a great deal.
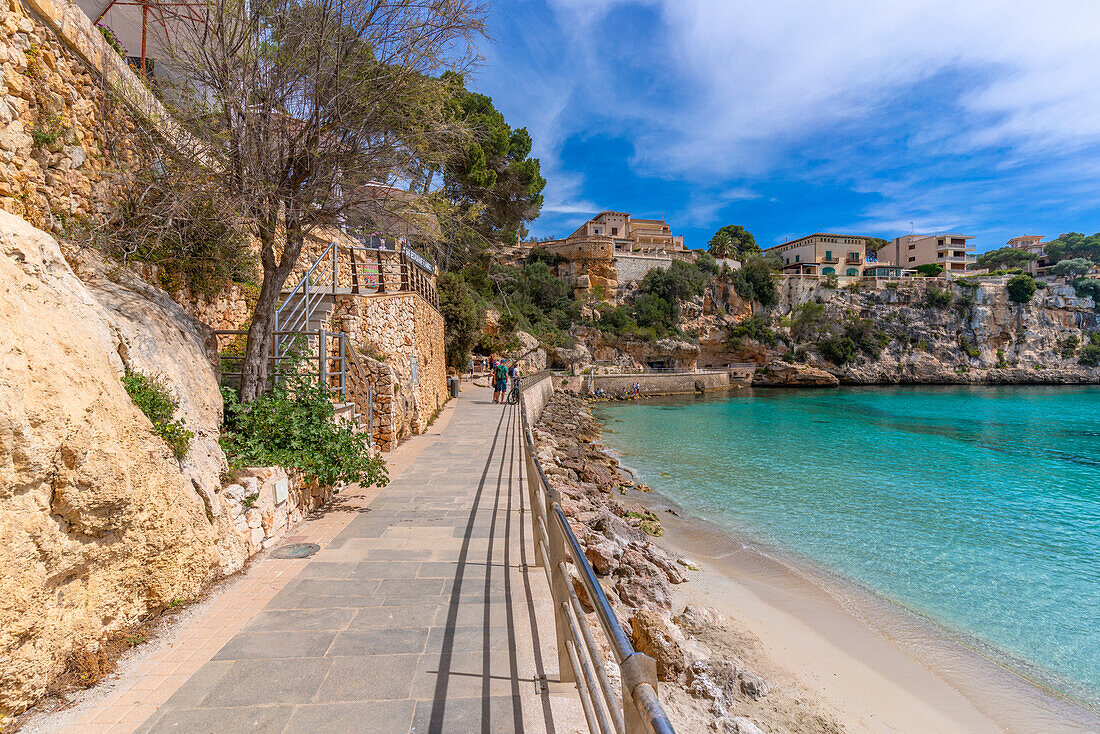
(536, 395)
(658, 384)
(63, 136)
(632, 268)
(391, 333)
(264, 502)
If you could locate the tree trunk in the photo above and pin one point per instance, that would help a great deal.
(257, 354)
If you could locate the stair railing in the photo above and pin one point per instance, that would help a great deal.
(298, 307)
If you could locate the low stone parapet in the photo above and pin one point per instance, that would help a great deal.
(657, 383)
(264, 502)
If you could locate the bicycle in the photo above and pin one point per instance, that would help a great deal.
(513, 394)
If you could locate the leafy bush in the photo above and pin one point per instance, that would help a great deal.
(929, 270)
(755, 281)
(756, 328)
(807, 321)
(198, 246)
(293, 425)
(1088, 288)
(1021, 288)
(1069, 346)
(1090, 355)
(111, 39)
(969, 348)
(837, 349)
(937, 298)
(154, 397)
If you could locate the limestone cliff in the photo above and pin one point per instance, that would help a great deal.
(99, 524)
(974, 335)
(932, 331)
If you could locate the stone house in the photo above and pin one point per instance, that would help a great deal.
(823, 253)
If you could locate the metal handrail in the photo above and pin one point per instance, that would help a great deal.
(638, 710)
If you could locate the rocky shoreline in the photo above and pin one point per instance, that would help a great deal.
(710, 668)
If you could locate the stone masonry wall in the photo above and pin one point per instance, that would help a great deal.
(63, 135)
(264, 502)
(386, 331)
(632, 268)
(658, 383)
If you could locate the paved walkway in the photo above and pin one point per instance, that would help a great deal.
(419, 615)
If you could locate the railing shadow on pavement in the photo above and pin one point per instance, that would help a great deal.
(637, 710)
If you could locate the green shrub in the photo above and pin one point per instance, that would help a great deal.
(462, 319)
(1001, 364)
(1090, 355)
(1021, 288)
(293, 425)
(837, 349)
(929, 270)
(755, 281)
(153, 396)
(1088, 288)
(756, 328)
(937, 298)
(1069, 346)
(969, 348)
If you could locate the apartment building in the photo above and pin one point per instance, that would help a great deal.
(823, 253)
(1034, 244)
(626, 234)
(950, 250)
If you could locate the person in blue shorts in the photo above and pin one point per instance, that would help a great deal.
(500, 381)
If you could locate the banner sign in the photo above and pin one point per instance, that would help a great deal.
(419, 260)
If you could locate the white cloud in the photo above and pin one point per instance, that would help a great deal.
(750, 77)
(945, 111)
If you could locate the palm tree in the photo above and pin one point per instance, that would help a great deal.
(721, 245)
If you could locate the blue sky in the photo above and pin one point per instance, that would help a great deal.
(791, 117)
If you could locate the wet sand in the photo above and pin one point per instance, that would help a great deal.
(875, 666)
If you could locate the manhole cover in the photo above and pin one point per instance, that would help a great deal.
(295, 550)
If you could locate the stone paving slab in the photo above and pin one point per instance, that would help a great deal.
(420, 613)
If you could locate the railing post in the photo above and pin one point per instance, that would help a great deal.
(354, 273)
(343, 369)
(559, 592)
(322, 367)
(381, 272)
(335, 268)
(535, 500)
(636, 670)
(370, 412)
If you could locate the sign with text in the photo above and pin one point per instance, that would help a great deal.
(419, 260)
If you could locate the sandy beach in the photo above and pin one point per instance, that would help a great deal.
(872, 665)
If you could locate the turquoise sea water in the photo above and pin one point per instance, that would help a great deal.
(978, 507)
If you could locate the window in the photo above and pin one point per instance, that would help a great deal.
(853, 255)
(912, 259)
(828, 271)
(912, 247)
(796, 258)
(852, 271)
(597, 230)
(614, 231)
(787, 261)
(828, 254)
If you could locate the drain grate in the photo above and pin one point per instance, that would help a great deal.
(295, 550)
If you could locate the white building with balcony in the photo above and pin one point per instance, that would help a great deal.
(950, 250)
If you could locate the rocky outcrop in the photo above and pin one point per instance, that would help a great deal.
(950, 332)
(99, 524)
(530, 357)
(780, 373)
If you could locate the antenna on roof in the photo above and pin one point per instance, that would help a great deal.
(910, 229)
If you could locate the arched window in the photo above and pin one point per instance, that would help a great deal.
(828, 271)
(852, 271)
